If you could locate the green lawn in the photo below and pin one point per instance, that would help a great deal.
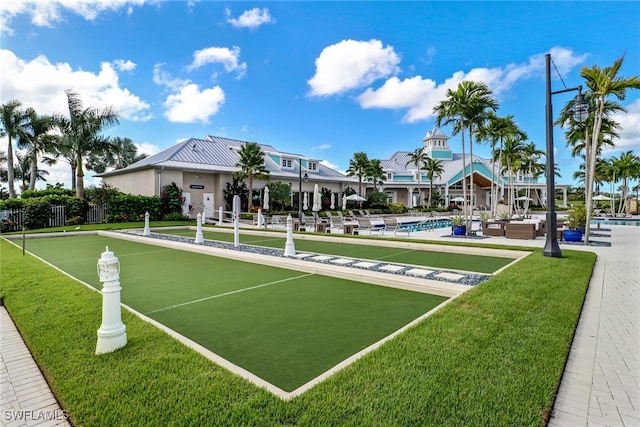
(427, 258)
(492, 357)
(285, 326)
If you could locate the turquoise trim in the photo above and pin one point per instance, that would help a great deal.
(477, 168)
(441, 154)
(402, 178)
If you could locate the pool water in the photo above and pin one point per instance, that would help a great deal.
(616, 221)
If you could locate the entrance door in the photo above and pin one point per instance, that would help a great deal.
(207, 202)
(187, 202)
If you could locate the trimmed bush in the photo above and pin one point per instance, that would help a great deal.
(36, 213)
(76, 209)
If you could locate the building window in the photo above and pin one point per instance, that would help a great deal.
(286, 163)
(389, 176)
(313, 166)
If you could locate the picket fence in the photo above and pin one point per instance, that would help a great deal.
(95, 215)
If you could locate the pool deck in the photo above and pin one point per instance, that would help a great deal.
(600, 385)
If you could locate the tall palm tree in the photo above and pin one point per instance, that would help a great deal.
(418, 158)
(512, 158)
(626, 168)
(14, 121)
(465, 109)
(251, 164)
(602, 83)
(3, 169)
(358, 166)
(531, 166)
(434, 169)
(495, 130)
(37, 140)
(375, 173)
(81, 131)
(24, 171)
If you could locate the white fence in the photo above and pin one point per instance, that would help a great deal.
(58, 217)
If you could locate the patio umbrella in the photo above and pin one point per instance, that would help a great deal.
(601, 197)
(458, 199)
(265, 203)
(356, 198)
(414, 201)
(344, 203)
(333, 201)
(523, 198)
(317, 199)
(305, 201)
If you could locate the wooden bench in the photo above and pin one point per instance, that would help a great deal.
(519, 230)
(493, 228)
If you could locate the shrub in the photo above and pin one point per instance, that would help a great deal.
(8, 225)
(175, 216)
(36, 213)
(172, 199)
(132, 207)
(577, 217)
(10, 204)
(51, 191)
(377, 200)
(397, 208)
(76, 208)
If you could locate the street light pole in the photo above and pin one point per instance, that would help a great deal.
(551, 247)
(306, 178)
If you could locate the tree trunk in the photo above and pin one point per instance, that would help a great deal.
(79, 178)
(34, 170)
(464, 186)
(11, 176)
(591, 167)
(472, 202)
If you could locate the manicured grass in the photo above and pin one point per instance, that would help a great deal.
(436, 259)
(493, 357)
(110, 226)
(289, 330)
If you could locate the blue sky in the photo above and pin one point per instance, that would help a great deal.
(323, 79)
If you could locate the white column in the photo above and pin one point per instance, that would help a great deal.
(199, 235)
(147, 230)
(236, 221)
(112, 333)
(289, 247)
(220, 213)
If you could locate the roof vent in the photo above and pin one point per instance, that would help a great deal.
(193, 146)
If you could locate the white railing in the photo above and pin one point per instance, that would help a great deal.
(95, 215)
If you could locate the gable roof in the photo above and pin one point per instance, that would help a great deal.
(219, 154)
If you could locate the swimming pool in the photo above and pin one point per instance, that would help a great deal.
(616, 221)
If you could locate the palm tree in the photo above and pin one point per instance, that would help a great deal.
(81, 132)
(24, 170)
(251, 164)
(14, 121)
(358, 166)
(531, 166)
(375, 173)
(3, 169)
(418, 158)
(465, 109)
(434, 169)
(37, 140)
(602, 83)
(121, 153)
(496, 129)
(512, 157)
(626, 168)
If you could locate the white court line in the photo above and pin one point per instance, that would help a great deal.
(229, 293)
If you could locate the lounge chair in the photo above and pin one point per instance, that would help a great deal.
(365, 224)
(391, 224)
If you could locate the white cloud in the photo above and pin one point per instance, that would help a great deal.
(124, 65)
(252, 18)
(190, 104)
(321, 147)
(330, 165)
(187, 103)
(229, 58)
(419, 95)
(40, 84)
(49, 12)
(147, 148)
(630, 132)
(352, 64)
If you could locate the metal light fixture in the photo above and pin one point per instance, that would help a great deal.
(300, 179)
(580, 112)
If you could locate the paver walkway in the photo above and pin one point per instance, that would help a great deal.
(25, 397)
(600, 386)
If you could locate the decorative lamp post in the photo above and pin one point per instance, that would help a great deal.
(580, 112)
(300, 178)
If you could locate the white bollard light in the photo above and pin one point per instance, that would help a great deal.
(147, 230)
(220, 213)
(199, 235)
(259, 218)
(112, 334)
(289, 247)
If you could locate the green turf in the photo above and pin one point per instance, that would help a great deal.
(435, 259)
(288, 329)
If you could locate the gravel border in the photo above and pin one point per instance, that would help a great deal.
(467, 278)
